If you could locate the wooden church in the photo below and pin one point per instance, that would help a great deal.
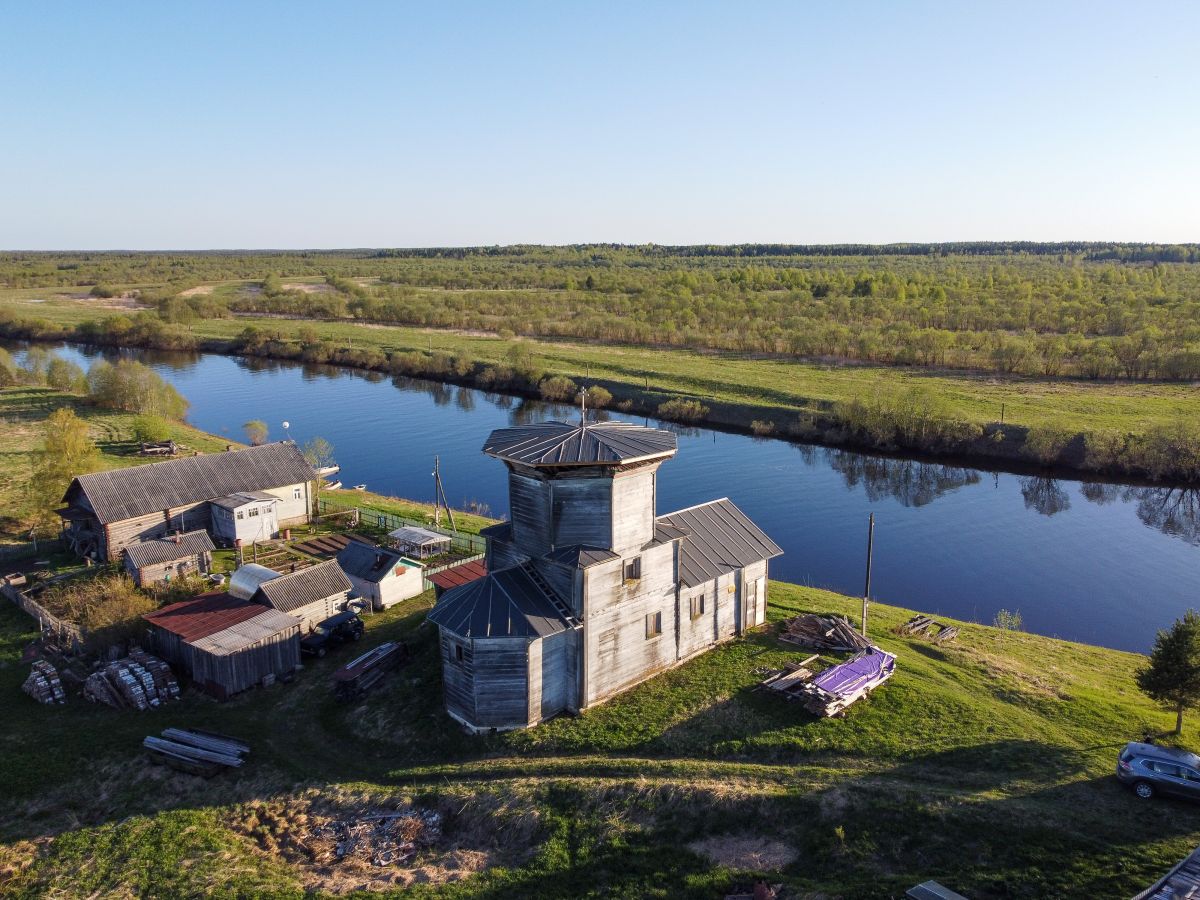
(588, 591)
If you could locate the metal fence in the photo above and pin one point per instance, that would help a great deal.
(471, 544)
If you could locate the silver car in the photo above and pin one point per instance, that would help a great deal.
(1151, 770)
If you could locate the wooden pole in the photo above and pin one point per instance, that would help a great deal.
(437, 493)
(867, 587)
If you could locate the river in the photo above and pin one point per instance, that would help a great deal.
(1097, 563)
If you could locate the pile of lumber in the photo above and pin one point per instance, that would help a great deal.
(43, 684)
(786, 682)
(137, 681)
(838, 687)
(199, 752)
(930, 627)
(358, 676)
(826, 633)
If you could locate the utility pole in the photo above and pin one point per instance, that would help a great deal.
(867, 588)
(439, 497)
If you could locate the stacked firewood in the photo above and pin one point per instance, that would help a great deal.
(827, 633)
(43, 684)
(132, 683)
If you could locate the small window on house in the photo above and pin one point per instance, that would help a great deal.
(633, 569)
(239, 515)
(295, 493)
(653, 625)
(697, 606)
(253, 511)
(458, 654)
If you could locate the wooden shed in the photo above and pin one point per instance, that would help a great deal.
(166, 558)
(311, 595)
(225, 645)
(381, 575)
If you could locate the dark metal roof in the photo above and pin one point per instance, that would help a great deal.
(719, 539)
(371, 564)
(581, 556)
(461, 574)
(597, 443)
(1182, 881)
(169, 549)
(299, 589)
(204, 615)
(124, 493)
(245, 498)
(507, 603)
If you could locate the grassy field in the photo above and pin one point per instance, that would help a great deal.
(22, 412)
(985, 763)
(407, 509)
(780, 387)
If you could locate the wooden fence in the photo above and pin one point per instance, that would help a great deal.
(67, 634)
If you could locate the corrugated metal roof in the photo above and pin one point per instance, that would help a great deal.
(299, 589)
(464, 574)
(371, 564)
(169, 549)
(267, 624)
(720, 538)
(581, 556)
(124, 493)
(597, 443)
(419, 537)
(508, 603)
(204, 615)
(245, 498)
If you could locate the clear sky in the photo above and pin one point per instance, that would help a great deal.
(254, 124)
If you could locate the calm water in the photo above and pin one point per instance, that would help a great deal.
(1097, 563)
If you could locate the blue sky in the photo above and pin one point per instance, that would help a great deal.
(205, 125)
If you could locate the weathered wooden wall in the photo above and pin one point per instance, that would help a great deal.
(159, 572)
(501, 682)
(224, 675)
(582, 508)
(458, 682)
(549, 676)
(529, 507)
(633, 509)
(319, 610)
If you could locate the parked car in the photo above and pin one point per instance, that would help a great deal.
(1151, 770)
(345, 626)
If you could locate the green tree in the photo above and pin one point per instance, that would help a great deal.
(1172, 676)
(319, 453)
(256, 431)
(68, 451)
(150, 429)
(64, 375)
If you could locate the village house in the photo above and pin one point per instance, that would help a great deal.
(311, 595)
(245, 517)
(588, 591)
(168, 558)
(225, 644)
(381, 575)
(108, 511)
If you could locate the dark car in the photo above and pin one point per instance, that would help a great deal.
(1151, 770)
(345, 626)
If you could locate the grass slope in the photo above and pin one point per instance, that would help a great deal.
(986, 763)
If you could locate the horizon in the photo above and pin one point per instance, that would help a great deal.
(384, 126)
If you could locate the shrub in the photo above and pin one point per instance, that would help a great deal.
(133, 387)
(1008, 620)
(150, 429)
(762, 428)
(103, 291)
(683, 410)
(106, 606)
(557, 387)
(64, 375)
(1046, 443)
(256, 431)
(598, 397)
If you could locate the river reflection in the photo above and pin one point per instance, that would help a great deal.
(911, 482)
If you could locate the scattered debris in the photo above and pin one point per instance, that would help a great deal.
(382, 839)
(138, 681)
(788, 679)
(746, 853)
(354, 679)
(199, 752)
(43, 684)
(158, 448)
(835, 689)
(828, 633)
(923, 624)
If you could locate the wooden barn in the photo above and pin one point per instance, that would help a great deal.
(170, 557)
(311, 595)
(381, 575)
(588, 591)
(225, 645)
(108, 511)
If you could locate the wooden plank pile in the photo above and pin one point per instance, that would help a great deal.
(358, 676)
(43, 684)
(926, 625)
(787, 681)
(198, 752)
(137, 681)
(840, 686)
(829, 634)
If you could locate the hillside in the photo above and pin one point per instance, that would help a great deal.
(985, 763)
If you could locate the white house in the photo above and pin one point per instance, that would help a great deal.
(381, 575)
(245, 517)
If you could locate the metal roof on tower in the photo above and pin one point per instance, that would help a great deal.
(596, 443)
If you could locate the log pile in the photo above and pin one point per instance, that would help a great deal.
(43, 684)
(825, 633)
(929, 627)
(137, 681)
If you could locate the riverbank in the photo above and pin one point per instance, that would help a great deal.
(1128, 431)
(986, 763)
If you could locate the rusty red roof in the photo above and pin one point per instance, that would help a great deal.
(467, 572)
(204, 615)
